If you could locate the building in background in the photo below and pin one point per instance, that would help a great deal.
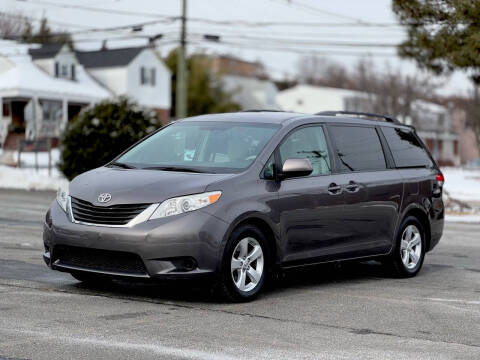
(137, 73)
(251, 93)
(247, 81)
(41, 89)
(230, 65)
(433, 122)
(467, 144)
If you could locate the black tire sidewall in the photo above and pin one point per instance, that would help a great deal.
(238, 234)
(399, 265)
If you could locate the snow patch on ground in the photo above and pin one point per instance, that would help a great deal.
(27, 178)
(28, 158)
(462, 184)
(471, 219)
(30, 179)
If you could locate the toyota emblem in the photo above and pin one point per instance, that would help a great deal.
(104, 198)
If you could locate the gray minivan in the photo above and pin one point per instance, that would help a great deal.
(236, 196)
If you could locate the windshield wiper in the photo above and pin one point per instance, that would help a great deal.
(174, 168)
(340, 156)
(122, 165)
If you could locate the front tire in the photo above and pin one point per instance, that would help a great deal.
(245, 264)
(409, 252)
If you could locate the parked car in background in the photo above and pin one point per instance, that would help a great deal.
(236, 196)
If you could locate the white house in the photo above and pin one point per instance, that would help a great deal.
(43, 87)
(433, 122)
(136, 72)
(40, 90)
(251, 92)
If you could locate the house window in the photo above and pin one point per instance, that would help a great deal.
(64, 71)
(147, 76)
(6, 109)
(142, 76)
(72, 72)
(152, 76)
(57, 69)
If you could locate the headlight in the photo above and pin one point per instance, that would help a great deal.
(183, 204)
(62, 197)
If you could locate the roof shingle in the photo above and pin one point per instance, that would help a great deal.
(46, 51)
(108, 58)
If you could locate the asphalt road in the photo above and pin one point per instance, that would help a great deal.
(353, 312)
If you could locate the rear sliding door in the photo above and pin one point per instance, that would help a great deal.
(372, 189)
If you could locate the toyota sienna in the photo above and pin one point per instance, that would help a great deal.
(237, 196)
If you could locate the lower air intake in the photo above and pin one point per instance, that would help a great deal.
(101, 260)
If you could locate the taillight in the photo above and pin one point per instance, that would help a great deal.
(440, 179)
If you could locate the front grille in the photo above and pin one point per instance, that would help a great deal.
(105, 215)
(101, 260)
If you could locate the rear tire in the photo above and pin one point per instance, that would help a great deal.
(245, 265)
(409, 252)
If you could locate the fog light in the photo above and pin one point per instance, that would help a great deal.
(184, 264)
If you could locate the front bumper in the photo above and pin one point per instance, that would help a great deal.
(163, 245)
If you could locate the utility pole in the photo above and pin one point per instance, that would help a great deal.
(182, 76)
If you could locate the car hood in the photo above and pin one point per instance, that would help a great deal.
(135, 186)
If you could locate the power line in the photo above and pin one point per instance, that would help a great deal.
(291, 23)
(269, 48)
(286, 41)
(121, 27)
(302, 35)
(31, 18)
(102, 10)
(314, 9)
(86, 30)
(211, 21)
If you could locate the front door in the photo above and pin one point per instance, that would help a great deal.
(310, 207)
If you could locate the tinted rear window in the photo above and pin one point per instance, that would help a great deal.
(406, 149)
(358, 148)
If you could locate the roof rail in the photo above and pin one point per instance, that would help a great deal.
(261, 110)
(360, 115)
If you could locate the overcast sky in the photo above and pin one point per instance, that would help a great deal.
(343, 30)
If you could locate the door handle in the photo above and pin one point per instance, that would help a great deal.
(352, 187)
(334, 189)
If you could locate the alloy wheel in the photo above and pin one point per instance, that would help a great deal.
(247, 264)
(411, 247)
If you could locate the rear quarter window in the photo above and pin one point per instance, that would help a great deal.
(407, 150)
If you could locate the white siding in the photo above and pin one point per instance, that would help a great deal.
(251, 93)
(157, 96)
(114, 78)
(46, 65)
(5, 64)
(312, 99)
(64, 57)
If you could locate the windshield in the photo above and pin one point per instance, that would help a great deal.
(216, 147)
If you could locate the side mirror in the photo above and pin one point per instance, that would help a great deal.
(296, 167)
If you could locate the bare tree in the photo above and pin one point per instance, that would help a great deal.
(321, 71)
(13, 25)
(471, 104)
(390, 91)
